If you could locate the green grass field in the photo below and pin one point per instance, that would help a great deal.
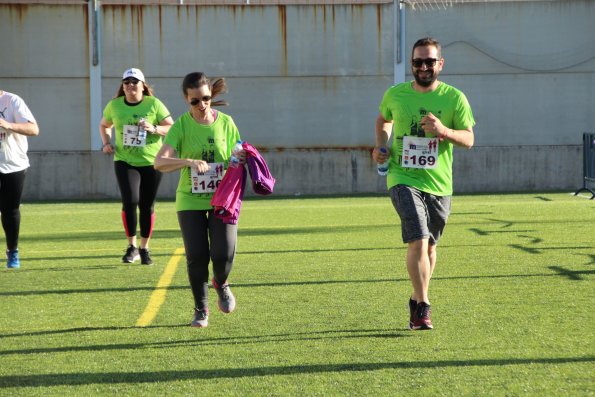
(322, 310)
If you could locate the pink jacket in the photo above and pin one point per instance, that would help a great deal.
(227, 200)
(262, 180)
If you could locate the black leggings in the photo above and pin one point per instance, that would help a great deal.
(206, 238)
(11, 189)
(138, 187)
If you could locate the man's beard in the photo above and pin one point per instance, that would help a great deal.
(433, 76)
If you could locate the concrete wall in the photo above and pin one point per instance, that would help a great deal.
(305, 82)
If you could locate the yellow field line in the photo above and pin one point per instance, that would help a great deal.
(158, 296)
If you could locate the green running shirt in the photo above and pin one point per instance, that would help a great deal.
(211, 143)
(406, 107)
(119, 113)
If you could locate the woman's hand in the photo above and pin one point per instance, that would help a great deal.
(242, 156)
(107, 148)
(145, 125)
(199, 166)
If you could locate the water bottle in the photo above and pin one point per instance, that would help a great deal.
(142, 134)
(234, 160)
(383, 168)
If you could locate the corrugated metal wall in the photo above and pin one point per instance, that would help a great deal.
(305, 82)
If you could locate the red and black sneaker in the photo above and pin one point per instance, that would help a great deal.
(421, 318)
(412, 307)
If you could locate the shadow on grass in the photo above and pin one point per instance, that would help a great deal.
(86, 329)
(187, 287)
(175, 233)
(540, 250)
(571, 274)
(83, 236)
(24, 262)
(574, 275)
(300, 251)
(235, 340)
(86, 378)
(481, 232)
(114, 257)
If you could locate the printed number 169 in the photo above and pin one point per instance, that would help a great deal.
(423, 160)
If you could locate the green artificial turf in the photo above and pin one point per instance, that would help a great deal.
(321, 290)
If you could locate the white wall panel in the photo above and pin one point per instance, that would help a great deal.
(305, 82)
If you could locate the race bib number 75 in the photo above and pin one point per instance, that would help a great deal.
(134, 136)
(420, 152)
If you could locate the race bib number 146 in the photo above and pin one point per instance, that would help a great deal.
(209, 181)
(420, 152)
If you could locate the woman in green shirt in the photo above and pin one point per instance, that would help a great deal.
(200, 144)
(140, 121)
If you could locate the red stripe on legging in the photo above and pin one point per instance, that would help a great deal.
(152, 224)
(125, 224)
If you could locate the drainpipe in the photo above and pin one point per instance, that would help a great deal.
(95, 106)
(399, 41)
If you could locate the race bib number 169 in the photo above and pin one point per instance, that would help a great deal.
(420, 152)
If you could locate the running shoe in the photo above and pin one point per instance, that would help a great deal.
(412, 307)
(226, 301)
(145, 257)
(131, 254)
(12, 259)
(201, 318)
(421, 319)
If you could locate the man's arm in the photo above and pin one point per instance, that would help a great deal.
(464, 138)
(432, 125)
(383, 131)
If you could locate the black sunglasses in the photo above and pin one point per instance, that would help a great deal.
(430, 62)
(130, 81)
(195, 101)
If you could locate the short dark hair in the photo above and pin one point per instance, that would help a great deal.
(427, 41)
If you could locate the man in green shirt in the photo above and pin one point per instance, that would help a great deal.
(427, 117)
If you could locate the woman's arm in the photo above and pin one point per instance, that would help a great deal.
(167, 161)
(159, 129)
(105, 131)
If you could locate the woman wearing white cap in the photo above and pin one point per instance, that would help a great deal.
(140, 121)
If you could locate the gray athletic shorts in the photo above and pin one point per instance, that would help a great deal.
(423, 215)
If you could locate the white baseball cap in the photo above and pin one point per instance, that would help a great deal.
(134, 73)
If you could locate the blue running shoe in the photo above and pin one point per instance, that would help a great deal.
(12, 257)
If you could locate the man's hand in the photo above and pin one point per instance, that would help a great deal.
(378, 156)
(432, 125)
